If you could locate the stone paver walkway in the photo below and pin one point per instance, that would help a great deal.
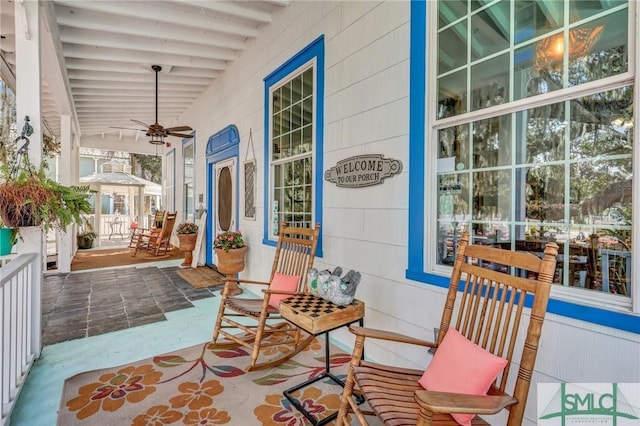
(89, 303)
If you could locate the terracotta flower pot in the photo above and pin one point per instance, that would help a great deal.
(187, 244)
(232, 261)
(187, 241)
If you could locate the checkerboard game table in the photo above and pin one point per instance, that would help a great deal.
(316, 315)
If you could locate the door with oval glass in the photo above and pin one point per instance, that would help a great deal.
(224, 185)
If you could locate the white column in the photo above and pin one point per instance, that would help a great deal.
(28, 73)
(28, 103)
(98, 215)
(141, 215)
(65, 239)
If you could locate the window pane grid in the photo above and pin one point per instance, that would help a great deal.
(292, 151)
(561, 172)
(539, 59)
(293, 190)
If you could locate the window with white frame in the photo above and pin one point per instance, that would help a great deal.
(293, 141)
(533, 123)
(168, 203)
(188, 155)
(292, 149)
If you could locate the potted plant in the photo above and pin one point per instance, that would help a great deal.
(28, 197)
(8, 238)
(86, 236)
(187, 233)
(230, 250)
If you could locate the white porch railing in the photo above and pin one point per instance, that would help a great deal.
(20, 325)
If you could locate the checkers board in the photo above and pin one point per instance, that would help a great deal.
(316, 315)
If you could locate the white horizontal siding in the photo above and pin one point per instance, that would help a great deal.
(367, 112)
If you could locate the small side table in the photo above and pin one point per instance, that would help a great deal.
(316, 315)
(116, 227)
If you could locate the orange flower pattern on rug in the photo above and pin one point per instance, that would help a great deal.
(279, 410)
(195, 395)
(269, 351)
(131, 384)
(188, 387)
(157, 415)
(207, 416)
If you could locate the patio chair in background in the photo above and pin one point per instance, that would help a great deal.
(158, 241)
(294, 256)
(609, 264)
(478, 332)
(158, 218)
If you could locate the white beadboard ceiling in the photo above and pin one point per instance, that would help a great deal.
(106, 48)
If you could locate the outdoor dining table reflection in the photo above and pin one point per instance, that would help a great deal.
(116, 226)
(590, 266)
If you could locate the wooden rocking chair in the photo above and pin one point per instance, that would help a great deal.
(157, 241)
(294, 256)
(136, 231)
(488, 313)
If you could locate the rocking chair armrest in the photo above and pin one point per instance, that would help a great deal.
(389, 335)
(445, 402)
(268, 292)
(240, 280)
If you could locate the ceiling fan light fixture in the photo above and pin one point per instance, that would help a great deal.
(157, 140)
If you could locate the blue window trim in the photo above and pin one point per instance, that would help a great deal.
(315, 49)
(418, 70)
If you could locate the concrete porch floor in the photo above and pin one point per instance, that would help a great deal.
(83, 304)
(39, 400)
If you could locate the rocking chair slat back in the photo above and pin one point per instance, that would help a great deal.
(295, 252)
(489, 309)
(486, 303)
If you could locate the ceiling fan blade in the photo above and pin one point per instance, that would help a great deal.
(178, 129)
(179, 135)
(127, 128)
(139, 122)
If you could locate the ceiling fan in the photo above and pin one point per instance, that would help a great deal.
(156, 131)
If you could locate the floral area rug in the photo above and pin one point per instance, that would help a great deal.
(202, 385)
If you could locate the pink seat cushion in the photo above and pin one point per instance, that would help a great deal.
(282, 282)
(461, 366)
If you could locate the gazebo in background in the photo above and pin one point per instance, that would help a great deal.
(119, 200)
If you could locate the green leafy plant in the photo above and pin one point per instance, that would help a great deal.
(229, 240)
(86, 231)
(187, 228)
(28, 197)
(89, 235)
(85, 236)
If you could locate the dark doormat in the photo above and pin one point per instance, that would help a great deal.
(83, 304)
(203, 277)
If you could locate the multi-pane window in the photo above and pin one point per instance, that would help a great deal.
(533, 124)
(292, 131)
(168, 202)
(188, 185)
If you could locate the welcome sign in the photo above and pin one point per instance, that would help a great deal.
(362, 170)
